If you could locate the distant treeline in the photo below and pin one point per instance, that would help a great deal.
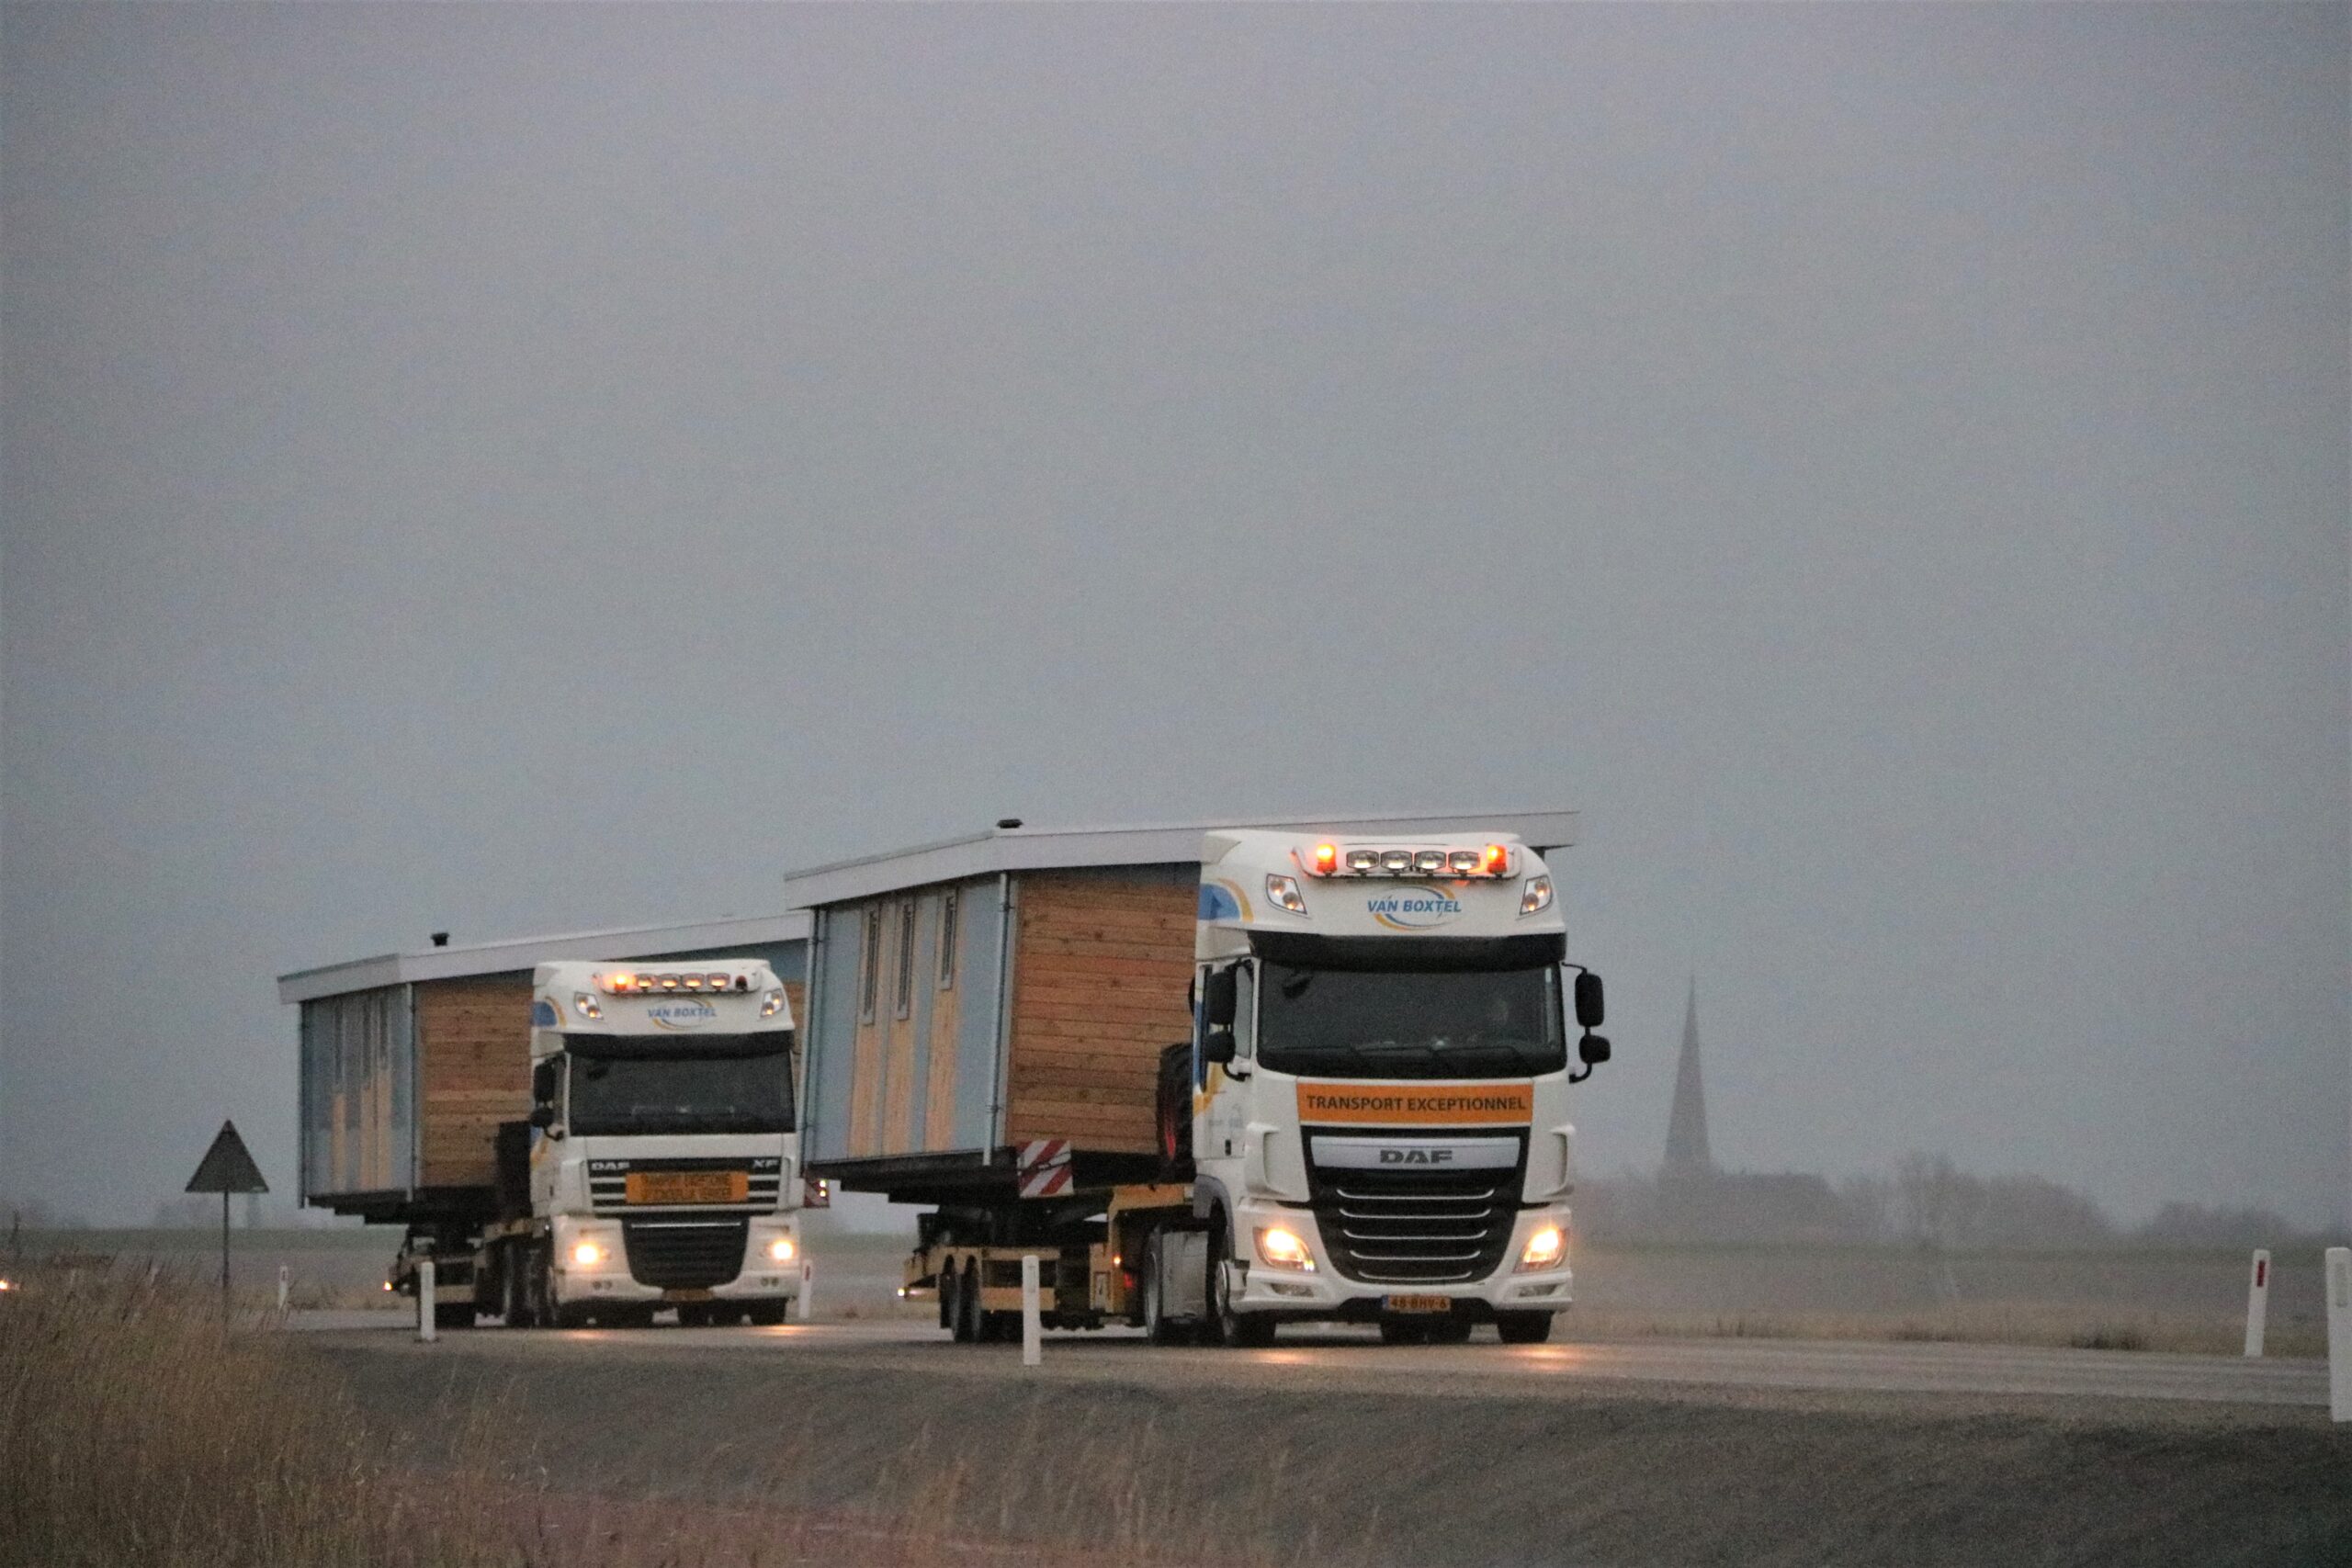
(1927, 1201)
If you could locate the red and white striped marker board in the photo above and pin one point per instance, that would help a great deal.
(1044, 1168)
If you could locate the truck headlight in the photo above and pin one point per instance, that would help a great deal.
(1536, 896)
(782, 1250)
(1545, 1249)
(1284, 891)
(587, 1255)
(772, 1004)
(1281, 1249)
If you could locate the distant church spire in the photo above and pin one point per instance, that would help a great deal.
(1686, 1126)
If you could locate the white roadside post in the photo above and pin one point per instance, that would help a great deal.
(424, 1323)
(2258, 1302)
(804, 1307)
(2339, 1332)
(284, 1280)
(1032, 1331)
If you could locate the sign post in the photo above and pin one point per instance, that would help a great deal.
(2257, 1303)
(227, 1167)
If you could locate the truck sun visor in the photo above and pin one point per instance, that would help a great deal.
(1302, 950)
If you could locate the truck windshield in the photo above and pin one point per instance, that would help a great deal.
(1410, 1024)
(750, 1091)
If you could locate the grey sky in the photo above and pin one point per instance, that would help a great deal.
(529, 468)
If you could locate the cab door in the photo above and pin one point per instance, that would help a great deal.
(1229, 1011)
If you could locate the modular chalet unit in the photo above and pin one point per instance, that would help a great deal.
(971, 996)
(409, 1060)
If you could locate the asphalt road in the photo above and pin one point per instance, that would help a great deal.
(1329, 1448)
(1354, 1361)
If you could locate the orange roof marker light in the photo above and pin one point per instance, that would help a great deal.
(1498, 860)
(1327, 859)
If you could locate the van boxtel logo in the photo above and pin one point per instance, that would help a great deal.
(1414, 909)
(682, 1014)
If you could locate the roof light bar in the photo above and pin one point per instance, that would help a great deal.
(627, 983)
(1327, 859)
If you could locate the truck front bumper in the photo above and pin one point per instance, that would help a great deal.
(1320, 1294)
(760, 1276)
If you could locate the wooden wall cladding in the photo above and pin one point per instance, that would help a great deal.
(474, 1043)
(1100, 976)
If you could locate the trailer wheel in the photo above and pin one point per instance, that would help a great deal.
(1523, 1328)
(968, 1304)
(514, 1299)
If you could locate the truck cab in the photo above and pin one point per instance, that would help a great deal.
(1386, 1034)
(660, 1165)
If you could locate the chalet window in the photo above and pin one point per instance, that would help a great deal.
(869, 964)
(906, 997)
(948, 941)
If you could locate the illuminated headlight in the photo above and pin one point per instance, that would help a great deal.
(1363, 862)
(1429, 863)
(1279, 1248)
(1462, 862)
(772, 1004)
(781, 1249)
(1397, 862)
(6, 1285)
(1283, 890)
(587, 1255)
(585, 1005)
(1545, 1249)
(1536, 896)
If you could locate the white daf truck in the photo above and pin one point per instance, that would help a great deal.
(657, 1167)
(1370, 1122)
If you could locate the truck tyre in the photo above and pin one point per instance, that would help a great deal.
(1157, 1326)
(513, 1291)
(1523, 1328)
(1236, 1330)
(767, 1315)
(968, 1304)
(453, 1314)
(945, 1278)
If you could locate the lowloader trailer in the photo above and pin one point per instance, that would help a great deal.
(582, 1141)
(1215, 1081)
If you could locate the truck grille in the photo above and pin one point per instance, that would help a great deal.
(1417, 1230)
(684, 1255)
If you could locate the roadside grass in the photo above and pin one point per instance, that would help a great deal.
(2056, 1324)
(140, 1431)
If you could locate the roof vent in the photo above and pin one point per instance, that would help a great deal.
(1007, 824)
(440, 939)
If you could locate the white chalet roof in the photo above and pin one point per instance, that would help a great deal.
(527, 952)
(1057, 849)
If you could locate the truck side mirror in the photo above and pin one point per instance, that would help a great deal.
(543, 1116)
(1219, 1049)
(543, 1083)
(1223, 994)
(1593, 1050)
(1590, 1007)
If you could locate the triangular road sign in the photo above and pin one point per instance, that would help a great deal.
(226, 1166)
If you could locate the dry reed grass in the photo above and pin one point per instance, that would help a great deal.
(137, 1430)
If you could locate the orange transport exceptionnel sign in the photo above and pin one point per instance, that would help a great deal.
(1415, 1105)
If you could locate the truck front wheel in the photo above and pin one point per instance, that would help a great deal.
(1234, 1328)
(1523, 1328)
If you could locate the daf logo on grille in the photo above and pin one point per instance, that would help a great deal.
(1417, 1157)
